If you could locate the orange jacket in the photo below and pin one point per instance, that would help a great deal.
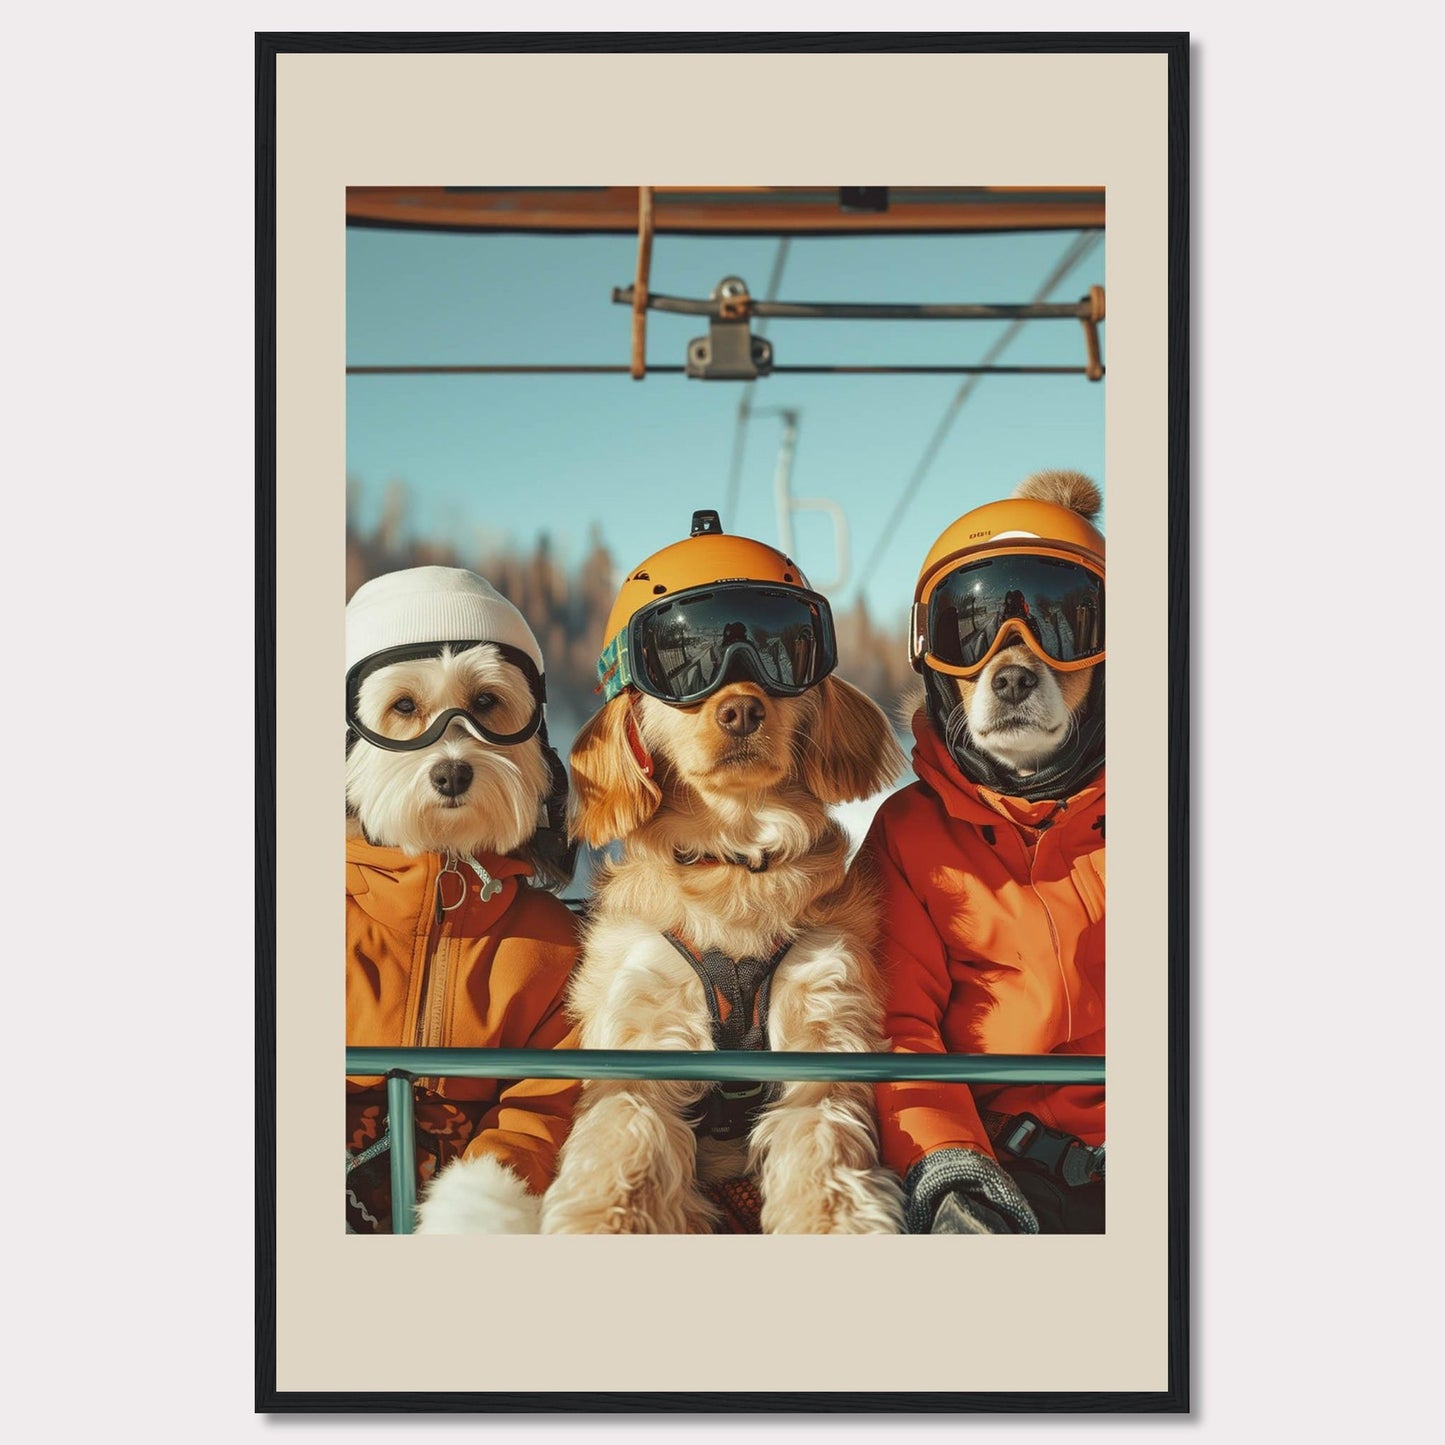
(488, 974)
(993, 942)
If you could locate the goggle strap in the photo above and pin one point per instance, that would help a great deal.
(613, 671)
(408, 652)
(918, 633)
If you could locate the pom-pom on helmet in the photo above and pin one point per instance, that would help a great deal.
(1028, 569)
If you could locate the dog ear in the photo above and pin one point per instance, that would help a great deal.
(851, 752)
(611, 795)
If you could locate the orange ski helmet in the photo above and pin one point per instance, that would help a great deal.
(688, 614)
(1018, 569)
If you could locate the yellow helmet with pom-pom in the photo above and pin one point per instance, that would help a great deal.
(1030, 566)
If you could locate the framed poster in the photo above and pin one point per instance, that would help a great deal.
(572, 427)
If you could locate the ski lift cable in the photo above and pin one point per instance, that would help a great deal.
(746, 357)
(861, 310)
(1078, 249)
(745, 402)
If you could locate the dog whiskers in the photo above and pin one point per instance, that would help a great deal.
(955, 726)
(803, 740)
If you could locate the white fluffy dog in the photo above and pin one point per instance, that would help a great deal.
(461, 793)
(453, 800)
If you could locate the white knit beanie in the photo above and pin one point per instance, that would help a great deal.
(432, 604)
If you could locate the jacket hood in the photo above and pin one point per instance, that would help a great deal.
(974, 802)
(1070, 768)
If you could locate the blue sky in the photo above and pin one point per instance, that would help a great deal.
(487, 458)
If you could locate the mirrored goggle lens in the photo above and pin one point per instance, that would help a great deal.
(1060, 603)
(682, 647)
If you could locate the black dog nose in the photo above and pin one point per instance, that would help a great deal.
(741, 714)
(1014, 684)
(451, 778)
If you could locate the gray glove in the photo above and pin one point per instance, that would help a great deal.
(961, 1191)
(960, 1213)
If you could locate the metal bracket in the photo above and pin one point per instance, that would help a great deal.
(1094, 301)
(639, 288)
(729, 351)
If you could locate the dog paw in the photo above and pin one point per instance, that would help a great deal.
(629, 1167)
(477, 1195)
(587, 1216)
(636, 1211)
(853, 1201)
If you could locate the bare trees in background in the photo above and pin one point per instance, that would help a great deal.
(567, 607)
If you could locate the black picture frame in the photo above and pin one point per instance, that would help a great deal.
(1173, 1399)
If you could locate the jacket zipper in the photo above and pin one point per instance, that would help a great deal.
(437, 987)
(429, 1013)
(1033, 854)
(430, 1029)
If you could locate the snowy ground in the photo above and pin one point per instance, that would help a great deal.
(858, 817)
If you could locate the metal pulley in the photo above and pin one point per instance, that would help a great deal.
(729, 351)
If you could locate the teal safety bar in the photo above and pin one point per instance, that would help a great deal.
(764, 1065)
(401, 1123)
(401, 1066)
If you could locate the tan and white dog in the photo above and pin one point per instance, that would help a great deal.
(992, 867)
(1019, 711)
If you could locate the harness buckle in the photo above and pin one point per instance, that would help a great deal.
(1065, 1156)
(728, 1113)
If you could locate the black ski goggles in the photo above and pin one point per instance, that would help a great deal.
(474, 720)
(1051, 602)
(682, 648)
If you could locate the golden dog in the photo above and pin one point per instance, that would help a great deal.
(727, 845)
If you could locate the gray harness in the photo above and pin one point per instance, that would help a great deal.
(737, 992)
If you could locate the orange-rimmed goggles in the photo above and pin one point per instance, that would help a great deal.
(1052, 601)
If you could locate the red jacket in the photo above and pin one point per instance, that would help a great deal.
(488, 974)
(993, 942)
